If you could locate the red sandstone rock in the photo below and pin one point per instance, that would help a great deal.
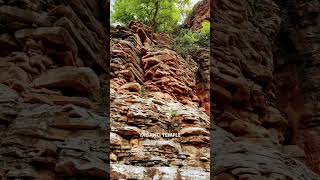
(200, 13)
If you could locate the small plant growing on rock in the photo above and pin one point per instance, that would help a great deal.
(142, 91)
(173, 114)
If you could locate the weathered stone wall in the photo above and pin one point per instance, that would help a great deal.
(265, 98)
(53, 67)
(200, 13)
(243, 84)
(258, 102)
(298, 75)
(153, 90)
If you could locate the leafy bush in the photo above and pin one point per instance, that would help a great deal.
(186, 41)
(204, 37)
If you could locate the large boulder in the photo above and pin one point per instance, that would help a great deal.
(73, 80)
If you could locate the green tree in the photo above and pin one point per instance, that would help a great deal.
(187, 41)
(161, 15)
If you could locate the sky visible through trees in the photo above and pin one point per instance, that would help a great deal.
(192, 3)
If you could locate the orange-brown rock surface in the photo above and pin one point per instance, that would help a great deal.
(53, 66)
(264, 93)
(153, 90)
(200, 13)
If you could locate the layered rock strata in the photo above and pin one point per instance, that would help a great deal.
(263, 89)
(53, 68)
(200, 12)
(297, 72)
(159, 128)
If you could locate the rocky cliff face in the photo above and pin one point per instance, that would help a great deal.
(200, 12)
(153, 90)
(299, 59)
(53, 68)
(264, 89)
(264, 94)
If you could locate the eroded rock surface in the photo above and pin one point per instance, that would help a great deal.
(200, 13)
(52, 73)
(264, 89)
(153, 91)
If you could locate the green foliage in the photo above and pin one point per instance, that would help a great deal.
(161, 15)
(173, 114)
(187, 41)
(188, 12)
(205, 30)
(142, 92)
